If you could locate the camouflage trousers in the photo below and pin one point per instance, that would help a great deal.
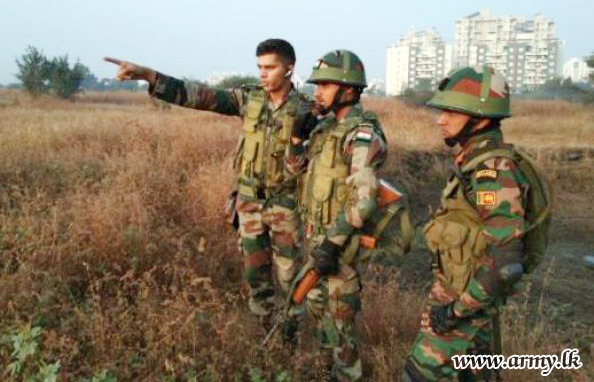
(431, 356)
(269, 233)
(333, 304)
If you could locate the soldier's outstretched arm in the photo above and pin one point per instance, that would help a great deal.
(130, 71)
(173, 90)
(498, 189)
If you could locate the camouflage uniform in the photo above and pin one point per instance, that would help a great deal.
(266, 202)
(339, 193)
(476, 241)
(341, 177)
(502, 224)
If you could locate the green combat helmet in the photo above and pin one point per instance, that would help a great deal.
(478, 91)
(341, 67)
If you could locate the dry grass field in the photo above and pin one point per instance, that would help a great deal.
(115, 262)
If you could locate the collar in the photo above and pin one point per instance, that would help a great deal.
(291, 94)
(477, 142)
(356, 111)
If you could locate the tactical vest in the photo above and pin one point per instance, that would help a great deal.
(454, 234)
(261, 150)
(325, 193)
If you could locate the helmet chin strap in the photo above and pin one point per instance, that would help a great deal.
(336, 104)
(464, 134)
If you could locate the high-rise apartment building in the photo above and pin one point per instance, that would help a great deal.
(418, 61)
(525, 51)
(577, 70)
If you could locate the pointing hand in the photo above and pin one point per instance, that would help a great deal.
(130, 71)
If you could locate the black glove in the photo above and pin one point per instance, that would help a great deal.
(326, 258)
(443, 319)
(305, 122)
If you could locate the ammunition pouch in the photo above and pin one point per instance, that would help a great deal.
(454, 237)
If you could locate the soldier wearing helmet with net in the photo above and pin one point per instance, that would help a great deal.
(490, 229)
(345, 151)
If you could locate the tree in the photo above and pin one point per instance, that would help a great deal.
(34, 71)
(89, 81)
(40, 75)
(234, 81)
(565, 89)
(66, 81)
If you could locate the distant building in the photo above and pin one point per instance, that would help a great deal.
(526, 52)
(577, 70)
(418, 61)
(375, 86)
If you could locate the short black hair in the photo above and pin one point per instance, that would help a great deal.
(276, 45)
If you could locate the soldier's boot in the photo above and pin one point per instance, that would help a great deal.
(411, 374)
(347, 362)
(325, 366)
(261, 304)
(469, 376)
(289, 329)
(352, 373)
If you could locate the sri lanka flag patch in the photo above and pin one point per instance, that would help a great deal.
(486, 198)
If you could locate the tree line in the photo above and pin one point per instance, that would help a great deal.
(39, 74)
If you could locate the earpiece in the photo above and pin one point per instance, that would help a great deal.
(288, 73)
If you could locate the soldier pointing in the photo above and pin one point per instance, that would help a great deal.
(266, 192)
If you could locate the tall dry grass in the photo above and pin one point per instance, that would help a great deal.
(113, 242)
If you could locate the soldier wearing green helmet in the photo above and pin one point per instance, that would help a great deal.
(490, 229)
(345, 150)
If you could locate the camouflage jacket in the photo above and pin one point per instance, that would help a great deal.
(497, 190)
(265, 133)
(340, 185)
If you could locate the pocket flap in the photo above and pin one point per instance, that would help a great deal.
(454, 234)
(322, 188)
(328, 152)
(250, 149)
(253, 110)
(250, 118)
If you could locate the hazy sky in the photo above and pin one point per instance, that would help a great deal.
(194, 38)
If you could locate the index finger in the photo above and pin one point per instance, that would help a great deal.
(113, 60)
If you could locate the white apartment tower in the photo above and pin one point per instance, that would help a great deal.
(577, 70)
(526, 52)
(419, 60)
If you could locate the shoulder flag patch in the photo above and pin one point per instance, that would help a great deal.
(486, 198)
(486, 174)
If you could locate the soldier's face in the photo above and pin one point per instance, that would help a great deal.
(272, 72)
(324, 94)
(451, 123)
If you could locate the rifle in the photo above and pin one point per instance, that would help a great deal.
(304, 281)
(388, 206)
